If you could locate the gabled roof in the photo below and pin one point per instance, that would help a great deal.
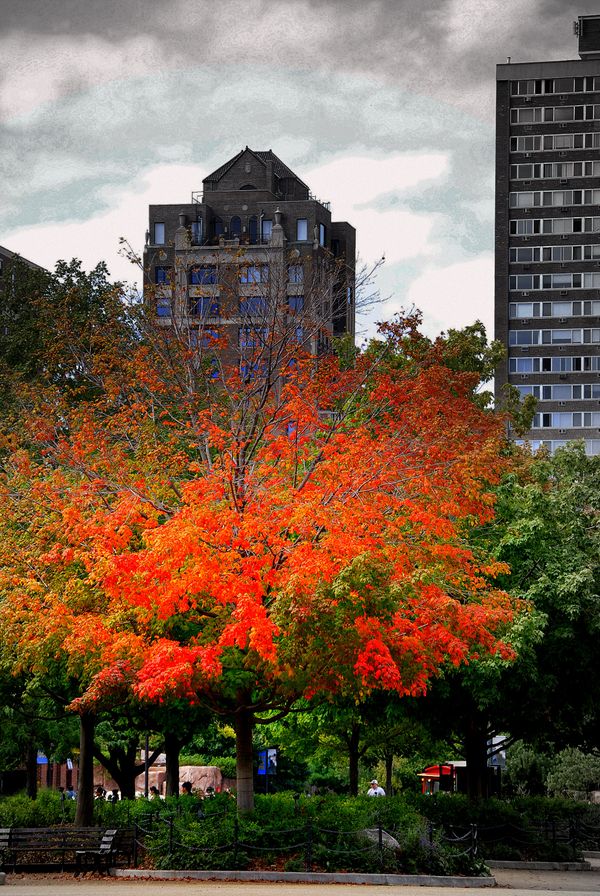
(279, 168)
(8, 255)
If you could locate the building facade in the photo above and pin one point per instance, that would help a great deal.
(547, 265)
(252, 241)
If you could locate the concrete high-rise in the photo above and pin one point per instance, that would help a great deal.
(547, 272)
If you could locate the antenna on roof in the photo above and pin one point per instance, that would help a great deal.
(508, 60)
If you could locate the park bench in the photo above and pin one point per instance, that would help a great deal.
(63, 847)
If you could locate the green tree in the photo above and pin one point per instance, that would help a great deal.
(574, 772)
(547, 529)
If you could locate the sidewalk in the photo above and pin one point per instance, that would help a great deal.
(513, 882)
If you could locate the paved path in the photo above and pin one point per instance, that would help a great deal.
(513, 882)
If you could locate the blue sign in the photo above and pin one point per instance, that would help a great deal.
(267, 762)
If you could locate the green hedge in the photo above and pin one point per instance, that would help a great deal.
(285, 833)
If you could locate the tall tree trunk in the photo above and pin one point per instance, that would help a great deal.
(476, 756)
(244, 761)
(84, 813)
(389, 767)
(353, 742)
(172, 751)
(31, 771)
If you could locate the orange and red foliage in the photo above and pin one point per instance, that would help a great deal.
(275, 537)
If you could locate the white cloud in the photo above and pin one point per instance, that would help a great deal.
(65, 64)
(97, 239)
(352, 181)
(455, 295)
(353, 184)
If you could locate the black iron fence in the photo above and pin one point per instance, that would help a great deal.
(222, 839)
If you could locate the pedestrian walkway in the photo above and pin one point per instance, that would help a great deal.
(514, 882)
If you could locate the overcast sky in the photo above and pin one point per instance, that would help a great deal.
(384, 107)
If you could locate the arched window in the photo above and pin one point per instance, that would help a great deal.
(248, 187)
(235, 227)
(253, 229)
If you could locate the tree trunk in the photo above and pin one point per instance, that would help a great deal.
(32, 771)
(172, 751)
(353, 758)
(389, 766)
(84, 814)
(244, 761)
(476, 756)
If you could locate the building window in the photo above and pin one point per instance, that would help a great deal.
(554, 198)
(163, 306)
(203, 338)
(267, 229)
(253, 229)
(254, 273)
(252, 337)
(296, 304)
(203, 275)
(235, 227)
(162, 275)
(204, 306)
(197, 232)
(554, 281)
(253, 305)
(159, 234)
(296, 273)
(218, 228)
(302, 229)
(322, 234)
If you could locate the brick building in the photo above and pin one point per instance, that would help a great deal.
(253, 240)
(547, 273)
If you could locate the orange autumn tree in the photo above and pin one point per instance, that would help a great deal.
(242, 526)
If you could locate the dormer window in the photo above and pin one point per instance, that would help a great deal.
(248, 187)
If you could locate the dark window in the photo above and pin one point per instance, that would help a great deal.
(253, 305)
(254, 273)
(163, 306)
(253, 337)
(296, 273)
(197, 232)
(205, 274)
(204, 338)
(253, 229)
(235, 227)
(204, 305)
(162, 275)
(296, 303)
(248, 187)
(218, 228)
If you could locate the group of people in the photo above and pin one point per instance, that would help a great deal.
(68, 793)
(186, 790)
(101, 794)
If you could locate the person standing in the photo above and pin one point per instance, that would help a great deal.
(375, 789)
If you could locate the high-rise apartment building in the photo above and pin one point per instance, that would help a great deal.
(253, 244)
(547, 273)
